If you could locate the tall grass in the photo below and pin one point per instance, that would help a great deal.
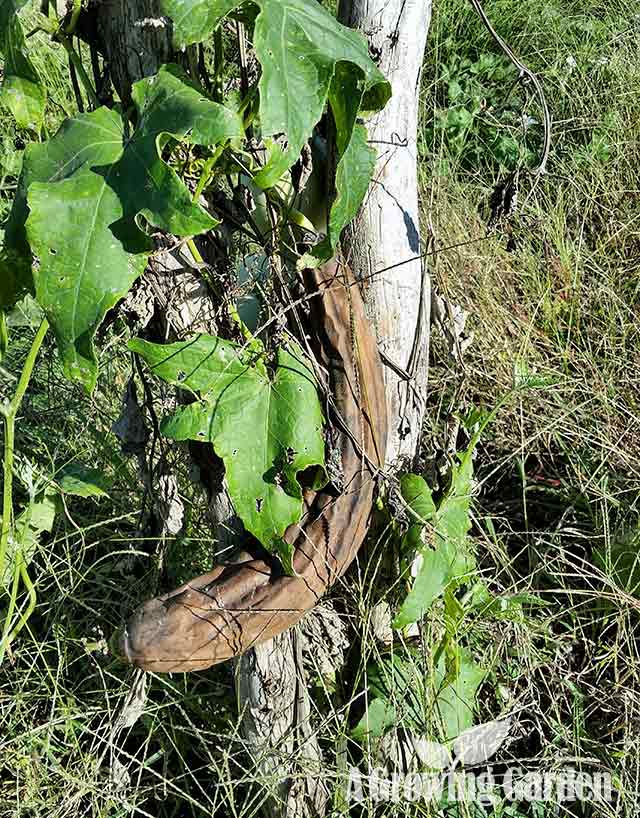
(552, 290)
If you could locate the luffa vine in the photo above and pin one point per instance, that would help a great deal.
(88, 199)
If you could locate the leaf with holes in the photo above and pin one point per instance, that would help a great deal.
(265, 423)
(86, 190)
(21, 90)
(299, 45)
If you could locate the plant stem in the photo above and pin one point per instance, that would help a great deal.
(77, 64)
(194, 251)
(7, 489)
(217, 90)
(203, 181)
(192, 58)
(12, 605)
(27, 369)
(31, 592)
(10, 412)
(75, 13)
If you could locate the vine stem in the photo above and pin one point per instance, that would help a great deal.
(10, 412)
(12, 606)
(218, 65)
(205, 176)
(79, 67)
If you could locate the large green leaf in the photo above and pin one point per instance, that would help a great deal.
(298, 44)
(265, 425)
(86, 189)
(21, 90)
(81, 276)
(447, 557)
(80, 143)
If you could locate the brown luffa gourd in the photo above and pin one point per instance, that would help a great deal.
(223, 613)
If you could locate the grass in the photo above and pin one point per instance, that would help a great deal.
(552, 295)
(552, 291)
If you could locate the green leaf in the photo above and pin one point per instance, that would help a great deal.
(455, 699)
(4, 336)
(37, 518)
(448, 559)
(525, 378)
(265, 425)
(620, 560)
(82, 274)
(194, 20)
(8, 12)
(417, 495)
(298, 44)
(353, 175)
(21, 90)
(81, 481)
(80, 143)
(452, 519)
(356, 160)
(380, 715)
(405, 693)
(86, 189)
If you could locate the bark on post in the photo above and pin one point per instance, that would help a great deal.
(135, 39)
(383, 243)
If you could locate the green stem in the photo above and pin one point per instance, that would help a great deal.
(77, 64)
(217, 89)
(77, 8)
(27, 369)
(203, 181)
(7, 489)
(9, 634)
(31, 592)
(192, 58)
(10, 412)
(12, 605)
(4, 335)
(194, 251)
